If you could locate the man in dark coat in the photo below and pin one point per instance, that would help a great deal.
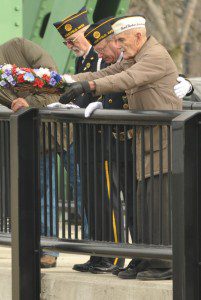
(72, 30)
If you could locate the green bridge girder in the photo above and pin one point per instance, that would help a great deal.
(11, 21)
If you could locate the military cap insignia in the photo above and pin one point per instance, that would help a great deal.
(88, 65)
(96, 34)
(68, 27)
(92, 58)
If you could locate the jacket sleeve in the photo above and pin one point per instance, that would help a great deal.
(148, 69)
(6, 97)
(36, 56)
(41, 100)
(111, 70)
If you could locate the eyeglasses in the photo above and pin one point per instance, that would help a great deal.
(102, 50)
(71, 42)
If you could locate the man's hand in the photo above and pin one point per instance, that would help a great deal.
(182, 88)
(75, 89)
(92, 107)
(19, 103)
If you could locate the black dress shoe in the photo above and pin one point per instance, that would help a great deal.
(133, 263)
(93, 261)
(103, 266)
(135, 266)
(155, 274)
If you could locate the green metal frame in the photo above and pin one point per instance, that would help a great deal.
(10, 19)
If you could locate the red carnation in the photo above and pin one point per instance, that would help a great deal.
(46, 78)
(20, 78)
(38, 82)
(26, 70)
(14, 71)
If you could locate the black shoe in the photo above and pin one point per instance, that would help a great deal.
(131, 264)
(135, 266)
(103, 266)
(155, 274)
(94, 260)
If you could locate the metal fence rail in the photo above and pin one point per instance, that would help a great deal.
(4, 173)
(76, 153)
(96, 177)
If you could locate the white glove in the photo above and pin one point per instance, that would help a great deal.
(60, 105)
(182, 88)
(67, 78)
(92, 107)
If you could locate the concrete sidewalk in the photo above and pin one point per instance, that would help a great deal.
(62, 283)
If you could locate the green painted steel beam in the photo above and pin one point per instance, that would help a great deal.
(35, 18)
(10, 19)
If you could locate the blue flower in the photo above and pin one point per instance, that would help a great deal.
(3, 83)
(8, 72)
(10, 78)
(52, 82)
(29, 77)
(4, 76)
(13, 82)
(57, 78)
(53, 74)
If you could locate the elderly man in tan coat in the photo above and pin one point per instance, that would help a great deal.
(147, 74)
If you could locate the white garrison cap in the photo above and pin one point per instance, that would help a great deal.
(128, 23)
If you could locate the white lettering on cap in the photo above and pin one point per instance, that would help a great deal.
(128, 23)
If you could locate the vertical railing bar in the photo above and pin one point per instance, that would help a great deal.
(44, 177)
(96, 212)
(151, 210)
(143, 195)
(50, 178)
(161, 184)
(135, 220)
(56, 178)
(62, 193)
(88, 181)
(110, 193)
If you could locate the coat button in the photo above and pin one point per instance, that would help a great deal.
(125, 106)
(110, 101)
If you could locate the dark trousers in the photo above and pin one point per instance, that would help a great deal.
(123, 182)
(154, 215)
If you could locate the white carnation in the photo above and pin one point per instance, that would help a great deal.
(42, 71)
(7, 67)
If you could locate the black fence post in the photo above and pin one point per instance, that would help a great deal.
(185, 185)
(25, 208)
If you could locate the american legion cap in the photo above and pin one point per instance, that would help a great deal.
(99, 31)
(72, 24)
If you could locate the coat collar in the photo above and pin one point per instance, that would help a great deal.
(150, 42)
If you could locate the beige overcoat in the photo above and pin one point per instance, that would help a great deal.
(148, 81)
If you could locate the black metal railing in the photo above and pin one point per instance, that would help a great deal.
(73, 152)
(113, 183)
(5, 222)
